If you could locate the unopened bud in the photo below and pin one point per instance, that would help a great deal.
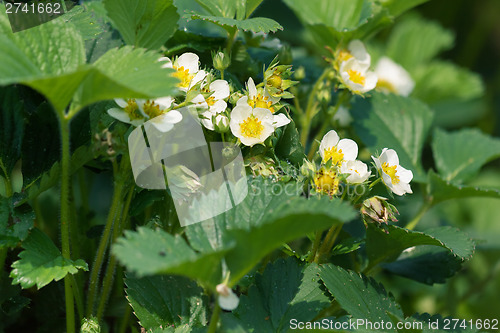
(221, 60)
(378, 210)
(227, 299)
(300, 73)
(285, 55)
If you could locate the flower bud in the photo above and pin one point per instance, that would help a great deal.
(378, 210)
(227, 299)
(221, 60)
(90, 325)
(221, 123)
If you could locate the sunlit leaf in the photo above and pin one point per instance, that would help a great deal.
(41, 262)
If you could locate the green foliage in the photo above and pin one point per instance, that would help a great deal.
(289, 146)
(264, 221)
(163, 301)
(426, 264)
(386, 247)
(360, 296)
(15, 223)
(285, 290)
(338, 14)
(41, 262)
(12, 125)
(390, 121)
(460, 155)
(147, 252)
(442, 190)
(255, 24)
(147, 24)
(415, 41)
(441, 80)
(397, 7)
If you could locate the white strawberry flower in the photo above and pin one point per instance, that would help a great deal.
(393, 78)
(339, 151)
(187, 70)
(250, 125)
(214, 104)
(138, 111)
(355, 49)
(258, 98)
(357, 171)
(356, 77)
(227, 298)
(394, 176)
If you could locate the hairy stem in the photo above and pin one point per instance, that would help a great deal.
(64, 123)
(311, 108)
(114, 211)
(315, 247)
(214, 320)
(329, 241)
(110, 269)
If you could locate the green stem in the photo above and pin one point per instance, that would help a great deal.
(78, 298)
(314, 250)
(103, 244)
(230, 40)
(125, 320)
(329, 241)
(110, 269)
(311, 108)
(425, 207)
(326, 123)
(214, 320)
(3, 256)
(8, 183)
(65, 219)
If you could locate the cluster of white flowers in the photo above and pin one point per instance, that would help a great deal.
(353, 65)
(338, 161)
(253, 119)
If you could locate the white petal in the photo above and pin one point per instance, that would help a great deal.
(229, 302)
(164, 102)
(120, 115)
(358, 51)
(199, 99)
(220, 89)
(391, 157)
(264, 115)
(343, 116)
(404, 175)
(200, 76)
(121, 102)
(189, 61)
(167, 62)
(252, 90)
(207, 120)
(329, 140)
(371, 80)
(218, 107)
(240, 113)
(377, 161)
(401, 188)
(349, 149)
(280, 120)
(396, 75)
(242, 101)
(165, 122)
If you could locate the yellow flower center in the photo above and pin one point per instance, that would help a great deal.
(260, 101)
(210, 101)
(275, 81)
(183, 75)
(151, 109)
(356, 77)
(391, 171)
(251, 127)
(336, 155)
(133, 110)
(344, 55)
(385, 85)
(326, 182)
